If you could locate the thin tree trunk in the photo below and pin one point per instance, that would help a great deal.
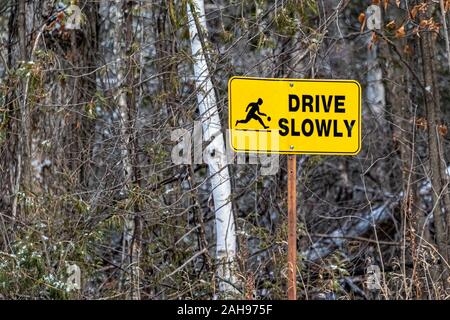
(23, 137)
(404, 142)
(436, 157)
(215, 152)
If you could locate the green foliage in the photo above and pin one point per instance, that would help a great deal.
(26, 270)
(286, 22)
(294, 14)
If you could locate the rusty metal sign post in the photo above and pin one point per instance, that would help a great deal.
(292, 227)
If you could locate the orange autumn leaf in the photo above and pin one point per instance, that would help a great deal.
(414, 12)
(377, 2)
(430, 25)
(443, 130)
(423, 23)
(362, 21)
(391, 25)
(421, 123)
(374, 39)
(386, 3)
(361, 17)
(423, 7)
(435, 27)
(418, 8)
(400, 33)
(407, 50)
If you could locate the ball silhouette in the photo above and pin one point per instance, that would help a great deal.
(269, 118)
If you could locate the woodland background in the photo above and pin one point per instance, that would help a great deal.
(86, 175)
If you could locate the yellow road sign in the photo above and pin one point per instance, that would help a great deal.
(294, 116)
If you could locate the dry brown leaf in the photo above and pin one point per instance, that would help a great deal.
(443, 130)
(423, 7)
(374, 39)
(386, 3)
(421, 123)
(407, 50)
(398, 3)
(391, 25)
(418, 8)
(377, 2)
(362, 20)
(361, 17)
(413, 12)
(400, 33)
(423, 23)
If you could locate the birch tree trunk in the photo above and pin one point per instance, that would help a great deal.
(375, 88)
(215, 155)
(399, 98)
(376, 92)
(376, 97)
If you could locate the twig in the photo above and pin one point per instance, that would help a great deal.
(321, 235)
(394, 47)
(185, 263)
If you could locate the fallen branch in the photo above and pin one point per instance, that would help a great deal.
(337, 238)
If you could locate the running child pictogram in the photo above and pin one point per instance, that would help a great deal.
(254, 114)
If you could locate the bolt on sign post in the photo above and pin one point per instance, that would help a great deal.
(294, 116)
